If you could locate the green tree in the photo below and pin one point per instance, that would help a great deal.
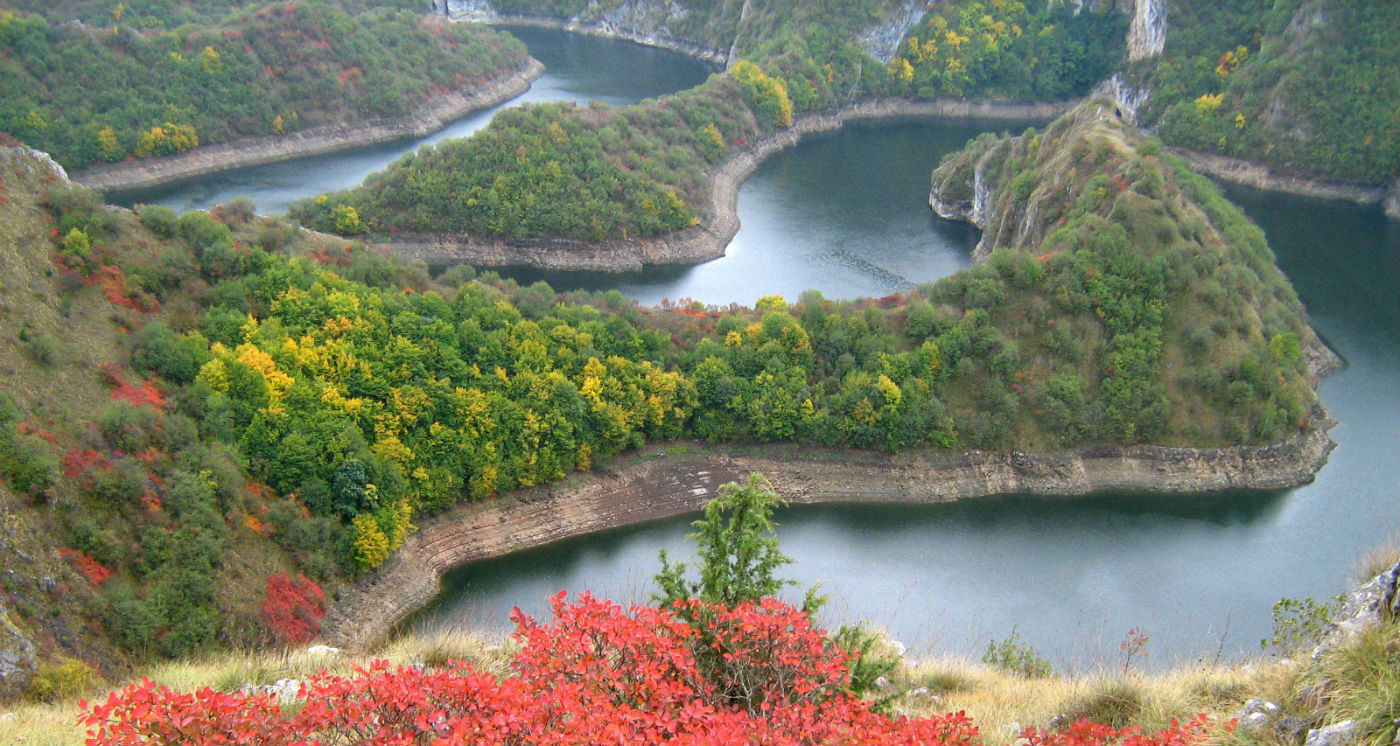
(738, 552)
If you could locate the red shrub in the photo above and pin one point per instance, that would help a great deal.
(292, 608)
(597, 674)
(85, 564)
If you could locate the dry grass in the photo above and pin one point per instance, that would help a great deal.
(56, 724)
(1000, 703)
(1003, 704)
(1379, 560)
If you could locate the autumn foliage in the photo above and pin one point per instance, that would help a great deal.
(758, 673)
(292, 608)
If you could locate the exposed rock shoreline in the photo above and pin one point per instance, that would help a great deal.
(711, 237)
(1260, 176)
(256, 151)
(479, 12)
(668, 480)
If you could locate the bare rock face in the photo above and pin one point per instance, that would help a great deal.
(1341, 734)
(1367, 606)
(32, 161)
(16, 656)
(882, 40)
(1147, 34)
(1127, 97)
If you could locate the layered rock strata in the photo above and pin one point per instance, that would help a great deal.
(664, 481)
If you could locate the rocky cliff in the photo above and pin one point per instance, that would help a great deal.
(666, 24)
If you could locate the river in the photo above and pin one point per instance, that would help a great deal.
(578, 69)
(845, 213)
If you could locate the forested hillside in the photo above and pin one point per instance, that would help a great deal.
(241, 399)
(131, 86)
(1306, 85)
(639, 171)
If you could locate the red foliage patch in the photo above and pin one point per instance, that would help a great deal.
(118, 293)
(292, 608)
(76, 462)
(146, 393)
(85, 564)
(598, 674)
(328, 256)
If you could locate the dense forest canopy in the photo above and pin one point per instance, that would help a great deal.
(1306, 85)
(125, 88)
(639, 171)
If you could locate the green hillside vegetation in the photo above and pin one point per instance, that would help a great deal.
(556, 169)
(640, 171)
(1305, 85)
(146, 15)
(90, 94)
(248, 399)
(1146, 263)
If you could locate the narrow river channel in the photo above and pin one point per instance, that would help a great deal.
(846, 214)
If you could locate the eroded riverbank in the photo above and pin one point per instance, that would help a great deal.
(668, 480)
(1260, 176)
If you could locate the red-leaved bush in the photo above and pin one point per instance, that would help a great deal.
(292, 608)
(85, 564)
(598, 674)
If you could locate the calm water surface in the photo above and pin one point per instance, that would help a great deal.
(846, 214)
(1198, 574)
(578, 69)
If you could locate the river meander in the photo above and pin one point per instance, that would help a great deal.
(846, 214)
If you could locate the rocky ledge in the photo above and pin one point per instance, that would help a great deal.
(257, 151)
(1261, 176)
(711, 237)
(669, 480)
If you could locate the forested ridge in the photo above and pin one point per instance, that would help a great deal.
(640, 171)
(132, 86)
(1305, 85)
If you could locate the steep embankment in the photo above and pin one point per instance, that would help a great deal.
(256, 151)
(661, 482)
(286, 76)
(667, 25)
